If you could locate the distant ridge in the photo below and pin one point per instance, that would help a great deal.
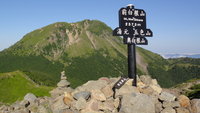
(167, 56)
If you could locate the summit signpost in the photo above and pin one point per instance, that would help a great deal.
(132, 27)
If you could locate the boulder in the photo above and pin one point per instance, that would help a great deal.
(126, 89)
(107, 91)
(195, 105)
(156, 88)
(107, 106)
(184, 101)
(92, 85)
(182, 110)
(82, 94)
(158, 107)
(117, 102)
(98, 95)
(80, 104)
(92, 106)
(146, 79)
(58, 105)
(30, 97)
(165, 96)
(173, 104)
(67, 99)
(168, 110)
(63, 83)
(137, 103)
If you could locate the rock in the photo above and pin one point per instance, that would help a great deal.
(58, 104)
(158, 107)
(147, 90)
(154, 82)
(63, 83)
(168, 110)
(137, 103)
(173, 104)
(42, 109)
(92, 106)
(82, 94)
(165, 96)
(106, 79)
(116, 102)
(182, 110)
(80, 104)
(30, 97)
(98, 95)
(107, 91)
(126, 89)
(184, 101)
(107, 106)
(146, 79)
(22, 111)
(156, 88)
(24, 103)
(59, 91)
(92, 85)
(140, 85)
(195, 105)
(129, 82)
(63, 77)
(67, 98)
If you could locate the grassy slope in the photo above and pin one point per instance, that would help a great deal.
(80, 60)
(14, 86)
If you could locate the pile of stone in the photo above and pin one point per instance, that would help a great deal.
(97, 97)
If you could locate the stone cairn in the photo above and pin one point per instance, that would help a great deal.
(97, 97)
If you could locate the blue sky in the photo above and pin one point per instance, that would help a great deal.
(175, 23)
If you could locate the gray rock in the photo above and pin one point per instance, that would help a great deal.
(107, 106)
(58, 104)
(182, 110)
(21, 111)
(168, 110)
(92, 85)
(158, 107)
(80, 104)
(146, 79)
(24, 103)
(165, 96)
(30, 97)
(98, 95)
(137, 103)
(63, 83)
(173, 104)
(42, 109)
(107, 91)
(82, 94)
(126, 89)
(59, 91)
(195, 105)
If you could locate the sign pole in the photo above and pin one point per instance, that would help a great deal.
(132, 27)
(132, 63)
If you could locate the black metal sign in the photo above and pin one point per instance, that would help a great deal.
(132, 26)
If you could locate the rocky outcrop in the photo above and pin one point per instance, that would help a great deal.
(98, 97)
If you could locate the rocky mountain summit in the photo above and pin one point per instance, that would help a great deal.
(98, 97)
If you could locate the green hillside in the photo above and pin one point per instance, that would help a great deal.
(86, 50)
(15, 85)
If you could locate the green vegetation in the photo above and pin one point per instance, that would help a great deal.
(195, 93)
(38, 68)
(15, 85)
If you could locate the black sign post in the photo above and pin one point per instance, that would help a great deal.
(132, 26)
